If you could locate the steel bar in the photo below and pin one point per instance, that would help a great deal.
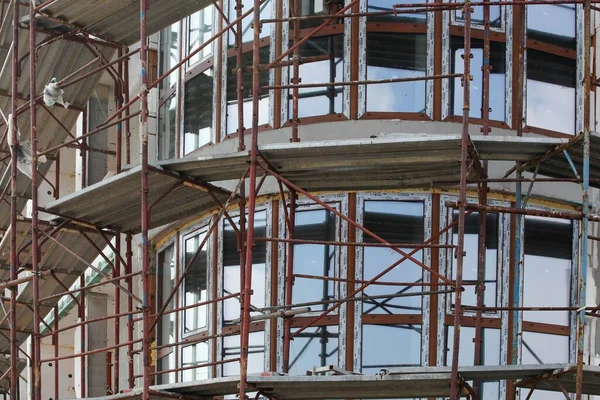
(247, 283)
(194, 367)
(355, 244)
(193, 305)
(13, 206)
(145, 211)
(92, 320)
(82, 337)
(353, 298)
(585, 201)
(520, 211)
(363, 82)
(81, 289)
(87, 353)
(128, 271)
(289, 277)
(377, 283)
(462, 200)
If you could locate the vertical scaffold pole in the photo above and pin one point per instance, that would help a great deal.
(37, 382)
(145, 211)
(247, 288)
(585, 201)
(454, 383)
(14, 384)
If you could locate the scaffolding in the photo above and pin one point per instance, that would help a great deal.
(152, 194)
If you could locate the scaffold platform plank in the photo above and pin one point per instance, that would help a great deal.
(390, 162)
(117, 20)
(411, 382)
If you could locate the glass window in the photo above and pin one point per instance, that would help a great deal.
(167, 131)
(471, 258)
(477, 16)
(314, 7)
(552, 23)
(247, 30)
(388, 5)
(195, 289)
(547, 268)
(381, 349)
(550, 91)
(497, 78)
(169, 54)
(322, 100)
(256, 354)
(199, 32)
(490, 354)
(231, 267)
(541, 348)
(263, 102)
(198, 111)
(396, 222)
(314, 347)
(196, 354)
(166, 276)
(393, 55)
(314, 259)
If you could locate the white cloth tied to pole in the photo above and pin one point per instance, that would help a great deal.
(53, 94)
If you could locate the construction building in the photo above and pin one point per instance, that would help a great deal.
(299, 199)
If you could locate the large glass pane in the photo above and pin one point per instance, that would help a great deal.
(314, 347)
(396, 222)
(263, 102)
(497, 90)
(200, 31)
(392, 55)
(552, 23)
(330, 68)
(387, 346)
(541, 348)
(550, 92)
(471, 258)
(196, 354)
(547, 269)
(477, 16)
(195, 289)
(314, 259)
(231, 267)
(256, 354)
(167, 128)
(169, 54)
(247, 30)
(166, 274)
(490, 353)
(198, 111)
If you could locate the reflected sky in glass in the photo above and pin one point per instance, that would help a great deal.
(396, 56)
(256, 356)
(390, 346)
(314, 347)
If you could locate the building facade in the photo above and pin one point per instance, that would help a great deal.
(383, 188)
